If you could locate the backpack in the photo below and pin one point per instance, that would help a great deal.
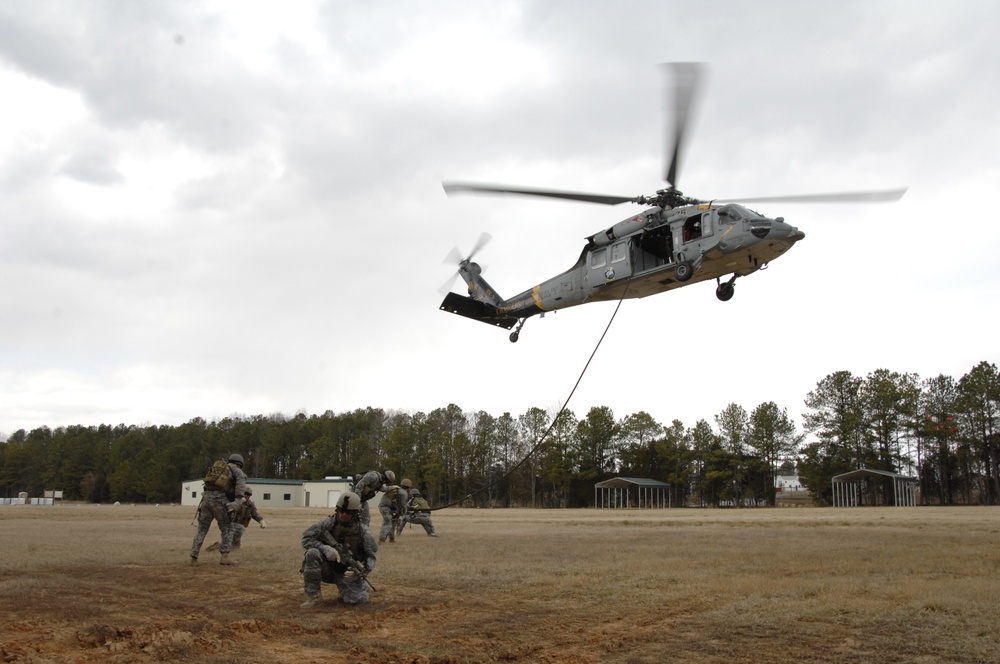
(218, 476)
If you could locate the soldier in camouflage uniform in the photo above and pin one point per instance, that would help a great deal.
(370, 484)
(215, 505)
(418, 511)
(245, 510)
(392, 507)
(339, 550)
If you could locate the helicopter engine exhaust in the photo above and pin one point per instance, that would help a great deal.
(623, 228)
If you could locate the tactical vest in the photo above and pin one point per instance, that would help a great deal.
(352, 536)
(243, 515)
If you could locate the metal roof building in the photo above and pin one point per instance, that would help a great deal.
(625, 492)
(871, 487)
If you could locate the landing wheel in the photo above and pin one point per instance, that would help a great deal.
(725, 291)
(683, 271)
(517, 331)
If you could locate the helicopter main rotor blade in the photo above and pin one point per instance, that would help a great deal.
(687, 76)
(603, 199)
(886, 196)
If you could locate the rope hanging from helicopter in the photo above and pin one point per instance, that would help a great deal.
(545, 436)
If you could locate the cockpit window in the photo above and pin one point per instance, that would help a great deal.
(729, 214)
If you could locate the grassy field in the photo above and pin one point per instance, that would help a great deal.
(112, 583)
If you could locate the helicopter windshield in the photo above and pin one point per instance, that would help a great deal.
(729, 214)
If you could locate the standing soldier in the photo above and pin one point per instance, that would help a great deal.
(245, 511)
(419, 511)
(392, 507)
(370, 484)
(223, 483)
(341, 550)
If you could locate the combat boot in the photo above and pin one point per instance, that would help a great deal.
(226, 560)
(312, 599)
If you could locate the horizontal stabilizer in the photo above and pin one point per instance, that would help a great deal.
(487, 313)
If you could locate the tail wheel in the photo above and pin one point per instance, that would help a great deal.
(517, 331)
(725, 291)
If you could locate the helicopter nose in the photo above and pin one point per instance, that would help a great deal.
(781, 229)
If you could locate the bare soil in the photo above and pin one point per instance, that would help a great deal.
(113, 584)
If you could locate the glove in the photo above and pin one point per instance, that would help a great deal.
(329, 553)
(263, 524)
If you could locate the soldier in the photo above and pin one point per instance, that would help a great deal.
(341, 550)
(418, 511)
(215, 503)
(241, 516)
(401, 521)
(370, 484)
(392, 507)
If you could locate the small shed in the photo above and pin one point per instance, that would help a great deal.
(625, 492)
(871, 487)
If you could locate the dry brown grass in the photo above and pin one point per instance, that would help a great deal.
(102, 583)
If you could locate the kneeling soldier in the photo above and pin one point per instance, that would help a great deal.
(341, 550)
(418, 511)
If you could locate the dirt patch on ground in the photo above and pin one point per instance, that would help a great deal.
(97, 585)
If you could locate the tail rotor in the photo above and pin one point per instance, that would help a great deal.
(454, 257)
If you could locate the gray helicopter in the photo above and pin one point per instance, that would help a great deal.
(677, 242)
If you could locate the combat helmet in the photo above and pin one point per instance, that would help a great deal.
(237, 459)
(389, 475)
(414, 492)
(406, 484)
(349, 502)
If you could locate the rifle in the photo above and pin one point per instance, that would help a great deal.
(346, 558)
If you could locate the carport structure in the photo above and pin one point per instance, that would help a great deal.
(625, 492)
(871, 487)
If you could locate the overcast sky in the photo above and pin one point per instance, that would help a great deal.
(219, 208)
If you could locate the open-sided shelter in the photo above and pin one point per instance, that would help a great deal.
(624, 492)
(874, 487)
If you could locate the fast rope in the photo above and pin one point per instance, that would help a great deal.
(544, 438)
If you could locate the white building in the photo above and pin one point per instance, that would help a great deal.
(786, 484)
(269, 493)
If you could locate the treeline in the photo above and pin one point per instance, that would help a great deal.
(941, 429)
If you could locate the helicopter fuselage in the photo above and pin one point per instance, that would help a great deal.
(657, 250)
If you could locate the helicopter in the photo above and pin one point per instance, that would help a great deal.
(677, 241)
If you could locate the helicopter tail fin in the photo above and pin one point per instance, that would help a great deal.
(476, 310)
